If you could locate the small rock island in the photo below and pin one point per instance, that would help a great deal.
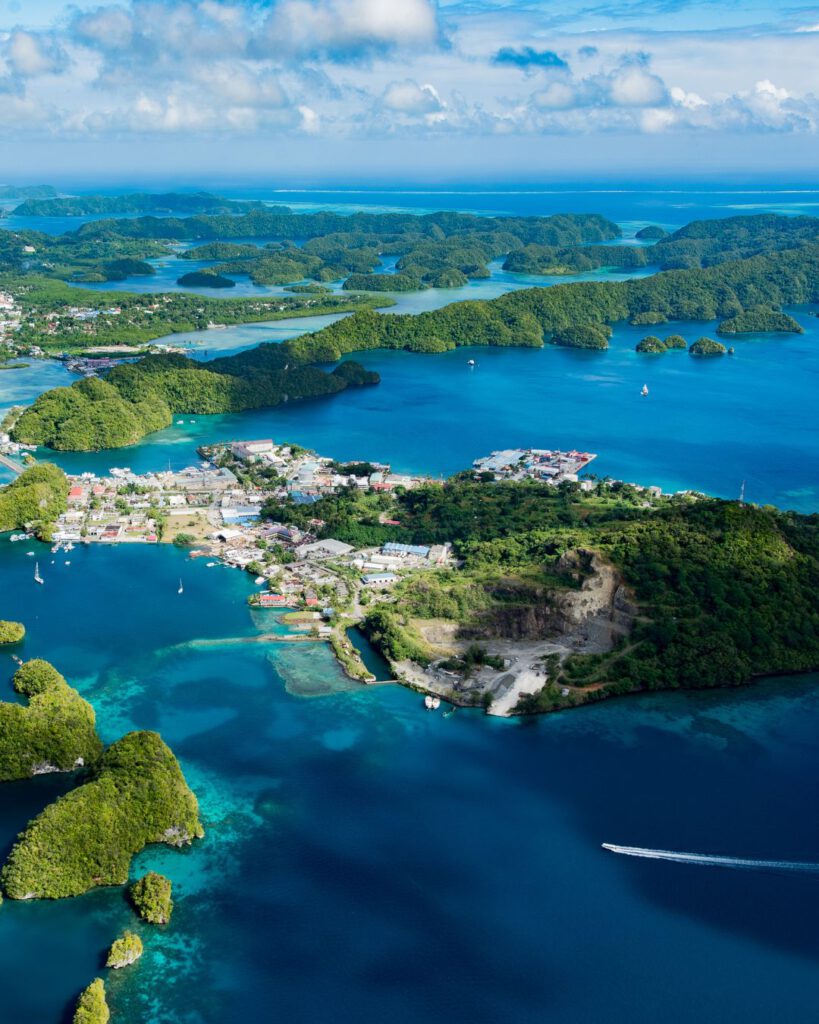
(151, 898)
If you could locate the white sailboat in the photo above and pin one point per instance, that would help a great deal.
(37, 577)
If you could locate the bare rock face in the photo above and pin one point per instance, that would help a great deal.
(602, 609)
(590, 616)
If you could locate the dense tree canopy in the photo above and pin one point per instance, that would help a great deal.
(56, 731)
(38, 496)
(138, 398)
(137, 795)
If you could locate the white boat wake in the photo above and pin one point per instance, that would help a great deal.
(714, 860)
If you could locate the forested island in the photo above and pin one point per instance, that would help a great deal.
(205, 279)
(136, 795)
(92, 1005)
(56, 731)
(129, 796)
(151, 898)
(707, 347)
(578, 313)
(439, 250)
(699, 244)
(137, 398)
(35, 498)
(11, 632)
(759, 320)
(126, 950)
(48, 205)
(27, 192)
(699, 592)
(652, 344)
(434, 250)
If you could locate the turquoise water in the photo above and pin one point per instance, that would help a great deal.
(366, 860)
(707, 424)
(170, 268)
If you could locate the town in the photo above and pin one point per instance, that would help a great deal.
(321, 586)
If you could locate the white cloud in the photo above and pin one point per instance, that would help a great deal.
(343, 28)
(636, 87)
(689, 100)
(29, 54)
(359, 68)
(557, 96)
(110, 28)
(409, 97)
(657, 119)
(310, 121)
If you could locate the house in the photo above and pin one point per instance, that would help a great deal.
(272, 600)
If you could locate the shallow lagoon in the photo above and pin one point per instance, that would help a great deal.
(366, 859)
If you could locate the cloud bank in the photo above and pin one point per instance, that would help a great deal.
(369, 69)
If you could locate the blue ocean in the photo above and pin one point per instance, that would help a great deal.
(368, 860)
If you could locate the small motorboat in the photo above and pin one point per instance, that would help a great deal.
(432, 703)
(259, 579)
(470, 362)
(644, 390)
(181, 588)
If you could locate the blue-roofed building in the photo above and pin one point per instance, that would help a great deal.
(416, 550)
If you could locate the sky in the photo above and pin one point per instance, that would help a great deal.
(408, 90)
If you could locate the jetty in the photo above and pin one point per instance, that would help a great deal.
(263, 638)
(15, 467)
